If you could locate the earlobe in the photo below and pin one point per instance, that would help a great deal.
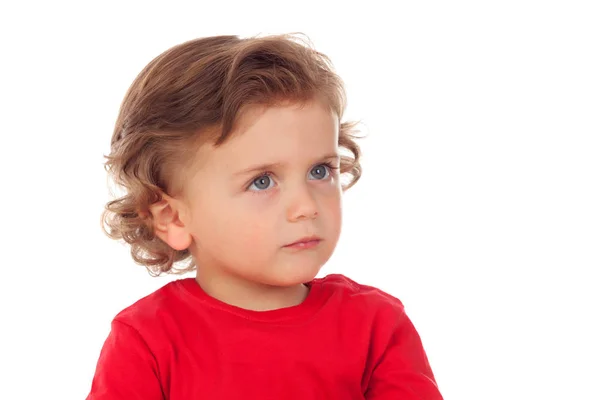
(177, 237)
(168, 226)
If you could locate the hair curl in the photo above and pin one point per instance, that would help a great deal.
(193, 93)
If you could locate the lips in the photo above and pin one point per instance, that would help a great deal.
(304, 241)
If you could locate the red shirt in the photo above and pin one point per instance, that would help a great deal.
(345, 341)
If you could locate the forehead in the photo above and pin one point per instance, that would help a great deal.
(278, 134)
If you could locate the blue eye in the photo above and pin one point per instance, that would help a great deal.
(320, 171)
(261, 183)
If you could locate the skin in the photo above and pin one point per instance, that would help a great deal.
(236, 224)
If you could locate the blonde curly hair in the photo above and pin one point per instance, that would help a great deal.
(194, 93)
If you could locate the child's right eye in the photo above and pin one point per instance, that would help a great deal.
(261, 183)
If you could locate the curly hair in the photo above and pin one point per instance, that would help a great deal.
(194, 93)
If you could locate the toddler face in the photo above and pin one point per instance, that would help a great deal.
(271, 184)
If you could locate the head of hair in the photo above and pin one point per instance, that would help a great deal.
(192, 94)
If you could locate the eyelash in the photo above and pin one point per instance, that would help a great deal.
(331, 167)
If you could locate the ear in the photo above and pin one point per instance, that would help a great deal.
(167, 216)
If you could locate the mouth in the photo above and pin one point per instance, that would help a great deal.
(305, 242)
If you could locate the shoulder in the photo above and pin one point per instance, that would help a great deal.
(148, 309)
(360, 295)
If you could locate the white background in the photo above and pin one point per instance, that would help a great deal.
(478, 207)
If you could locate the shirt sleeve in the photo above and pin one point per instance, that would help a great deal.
(403, 371)
(126, 368)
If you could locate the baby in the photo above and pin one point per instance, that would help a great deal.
(234, 160)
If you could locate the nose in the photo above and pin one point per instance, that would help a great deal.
(301, 204)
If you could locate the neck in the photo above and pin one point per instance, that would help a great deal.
(250, 295)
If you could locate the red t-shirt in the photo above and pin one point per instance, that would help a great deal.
(345, 341)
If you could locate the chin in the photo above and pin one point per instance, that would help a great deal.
(300, 276)
(287, 277)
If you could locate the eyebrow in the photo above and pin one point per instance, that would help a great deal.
(262, 167)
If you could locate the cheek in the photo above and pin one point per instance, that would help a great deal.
(245, 225)
(336, 220)
(333, 204)
(237, 238)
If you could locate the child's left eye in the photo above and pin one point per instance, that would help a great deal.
(321, 171)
